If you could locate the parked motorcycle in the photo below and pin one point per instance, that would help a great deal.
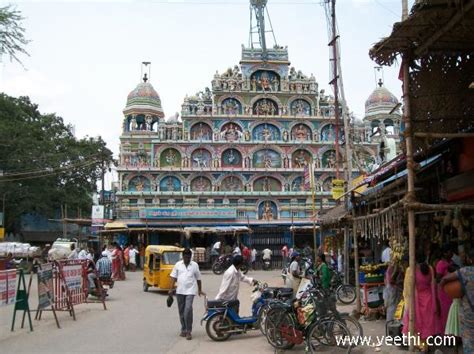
(224, 262)
(267, 264)
(223, 318)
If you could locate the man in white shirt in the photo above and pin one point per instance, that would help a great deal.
(186, 273)
(132, 258)
(215, 251)
(217, 247)
(229, 289)
(74, 252)
(82, 254)
(236, 251)
(253, 257)
(267, 254)
(387, 252)
(294, 273)
(340, 262)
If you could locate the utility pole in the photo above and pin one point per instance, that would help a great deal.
(347, 166)
(334, 80)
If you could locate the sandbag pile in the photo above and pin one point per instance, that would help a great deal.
(19, 250)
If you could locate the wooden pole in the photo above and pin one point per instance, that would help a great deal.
(404, 9)
(443, 135)
(410, 195)
(438, 207)
(356, 269)
(345, 254)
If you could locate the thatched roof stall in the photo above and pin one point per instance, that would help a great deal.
(436, 44)
(438, 41)
(335, 217)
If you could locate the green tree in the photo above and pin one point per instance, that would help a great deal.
(12, 38)
(43, 165)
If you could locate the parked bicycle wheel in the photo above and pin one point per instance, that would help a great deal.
(354, 327)
(346, 294)
(328, 332)
(276, 318)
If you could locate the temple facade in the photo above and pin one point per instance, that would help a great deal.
(239, 154)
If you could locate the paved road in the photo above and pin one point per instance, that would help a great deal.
(139, 322)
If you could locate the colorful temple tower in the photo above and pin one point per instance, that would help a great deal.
(237, 156)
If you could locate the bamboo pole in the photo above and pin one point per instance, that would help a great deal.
(410, 195)
(380, 212)
(443, 135)
(356, 269)
(438, 207)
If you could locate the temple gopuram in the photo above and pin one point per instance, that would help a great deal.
(234, 161)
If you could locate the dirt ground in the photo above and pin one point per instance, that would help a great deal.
(139, 322)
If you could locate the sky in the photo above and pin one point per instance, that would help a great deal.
(85, 56)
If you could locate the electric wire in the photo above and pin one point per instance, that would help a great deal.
(46, 174)
(33, 171)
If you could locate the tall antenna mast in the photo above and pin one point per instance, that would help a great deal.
(258, 8)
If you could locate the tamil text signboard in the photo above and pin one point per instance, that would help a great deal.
(183, 213)
(7, 287)
(45, 286)
(73, 275)
(337, 188)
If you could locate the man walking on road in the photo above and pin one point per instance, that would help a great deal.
(186, 273)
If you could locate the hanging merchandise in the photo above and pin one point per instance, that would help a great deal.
(399, 248)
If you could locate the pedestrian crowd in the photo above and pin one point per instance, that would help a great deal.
(439, 310)
(127, 258)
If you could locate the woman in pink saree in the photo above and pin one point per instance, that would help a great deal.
(444, 300)
(425, 299)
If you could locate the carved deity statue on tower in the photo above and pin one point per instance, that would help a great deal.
(267, 213)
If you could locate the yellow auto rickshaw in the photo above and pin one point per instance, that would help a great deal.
(159, 262)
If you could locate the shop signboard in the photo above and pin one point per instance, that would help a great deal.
(73, 276)
(7, 287)
(190, 213)
(98, 215)
(337, 188)
(45, 286)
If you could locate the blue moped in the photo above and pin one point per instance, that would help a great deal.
(223, 318)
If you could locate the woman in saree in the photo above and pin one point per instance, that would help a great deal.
(116, 263)
(466, 309)
(442, 268)
(425, 300)
(122, 264)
